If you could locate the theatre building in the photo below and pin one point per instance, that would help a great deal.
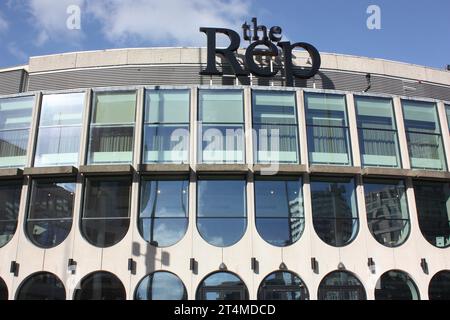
(130, 174)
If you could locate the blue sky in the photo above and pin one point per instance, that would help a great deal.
(411, 31)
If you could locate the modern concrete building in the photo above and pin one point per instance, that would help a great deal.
(127, 175)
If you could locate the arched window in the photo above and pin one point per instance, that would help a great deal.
(50, 214)
(221, 211)
(433, 210)
(106, 215)
(10, 192)
(161, 285)
(3, 290)
(41, 286)
(164, 214)
(439, 288)
(335, 215)
(387, 211)
(282, 285)
(341, 285)
(100, 285)
(222, 286)
(396, 285)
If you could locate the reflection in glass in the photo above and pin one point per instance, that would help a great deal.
(41, 286)
(327, 129)
(433, 210)
(106, 215)
(10, 192)
(222, 286)
(221, 211)
(279, 211)
(275, 122)
(59, 132)
(439, 288)
(281, 285)
(341, 285)
(396, 285)
(424, 137)
(377, 132)
(15, 123)
(387, 211)
(3, 290)
(161, 286)
(163, 218)
(100, 286)
(335, 216)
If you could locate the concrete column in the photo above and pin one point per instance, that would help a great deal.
(32, 139)
(353, 128)
(403, 143)
(303, 138)
(249, 148)
(84, 138)
(445, 131)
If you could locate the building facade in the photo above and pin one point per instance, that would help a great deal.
(127, 175)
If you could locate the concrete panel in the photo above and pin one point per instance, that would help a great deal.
(102, 58)
(154, 56)
(50, 171)
(338, 170)
(358, 64)
(53, 62)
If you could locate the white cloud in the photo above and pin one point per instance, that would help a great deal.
(172, 22)
(16, 52)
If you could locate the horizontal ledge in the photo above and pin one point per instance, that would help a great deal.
(339, 170)
(279, 169)
(107, 169)
(50, 171)
(164, 168)
(430, 174)
(11, 173)
(390, 172)
(222, 168)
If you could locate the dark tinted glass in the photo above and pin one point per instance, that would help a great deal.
(41, 286)
(396, 285)
(3, 290)
(10, 192)
(439, 288)
(282, 286)
(161, 286)
(341, 285)
(222, 286)
(100, 286)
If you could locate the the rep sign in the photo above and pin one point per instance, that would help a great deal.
(270, 40)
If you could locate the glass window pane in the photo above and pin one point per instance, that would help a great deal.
(387, 211)
(222, 286)
(274, 107)
(281, 285)
(221, 106)
(433, 210)
(280, 232)
(375, 113)
(50, 213)
(164, 214)
(3, 290)
(396, 285)
(58, 146)
(166, 143)
(325, 110)
(335, 215)
(420, 116)
(106, 211)
(114, 107)
(161, 286)
(222, 144)
(62, 109)
(439, 288)
(111, 145)
(10, 192)
(167, 106)
(100, 286)
(13, 148)
(341, 285)
(41, 286)
(447, 107)
(221, 199)
(15, 113)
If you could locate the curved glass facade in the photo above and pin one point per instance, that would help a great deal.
(41, 286)
(282, 285)
(396, 285)
(439, 288)
(341, 285)
(100, 285)
(222, 286)
(161, 285)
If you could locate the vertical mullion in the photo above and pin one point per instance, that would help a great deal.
(32, 139)
(401, 130)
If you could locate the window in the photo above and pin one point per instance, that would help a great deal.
(50, 211)
(221, 128)
(166, 127)
(275, 123)
(59, 133)
(439, 288)
(100, 285)
(341, 285)
(221, 211)
(396, 285)
(112, 128)
(424, 135)
(161, 285)
(10, 192)
(281, 285)
(327, 129)
(15, 123)
(279, 210)
(41, 286)
(433, 210)
(3, 290)
(106, 215)
(447, 107)
(335, 215)
(164, 213)
(387, 211)
(377, 132)
(222, 286)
